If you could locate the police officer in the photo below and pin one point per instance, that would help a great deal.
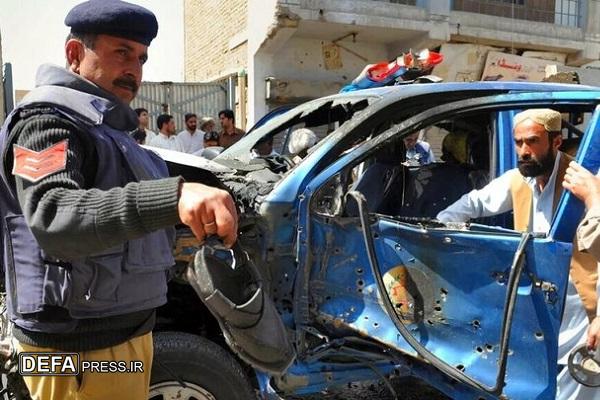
(87, 214)
(418, 152)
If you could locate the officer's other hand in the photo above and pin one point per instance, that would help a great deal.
(593, 334)
(208, 211)
(583, 184)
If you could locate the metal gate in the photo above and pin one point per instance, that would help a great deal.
(178, 99)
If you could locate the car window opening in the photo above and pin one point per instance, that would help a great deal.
(414, 177)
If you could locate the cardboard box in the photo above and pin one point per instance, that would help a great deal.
(508, 67)
(462, 62)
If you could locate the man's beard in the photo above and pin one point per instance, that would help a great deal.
(530, 167)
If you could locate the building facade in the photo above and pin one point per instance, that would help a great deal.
(294, 50)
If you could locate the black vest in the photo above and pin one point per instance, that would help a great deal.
(127, 278)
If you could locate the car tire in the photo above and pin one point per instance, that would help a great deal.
(208, 371)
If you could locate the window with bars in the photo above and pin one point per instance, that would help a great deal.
(405, 2)
(560, 12)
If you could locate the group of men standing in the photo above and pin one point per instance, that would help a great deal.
(194, 138)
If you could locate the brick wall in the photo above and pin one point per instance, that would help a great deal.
(213, 34)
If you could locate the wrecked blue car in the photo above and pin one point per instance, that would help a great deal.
(341, 272)
(365, 282)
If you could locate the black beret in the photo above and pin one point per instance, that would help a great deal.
(115, 18)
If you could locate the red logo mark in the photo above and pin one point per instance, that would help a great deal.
(33, 166)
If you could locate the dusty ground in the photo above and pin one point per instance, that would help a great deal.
(406, 389)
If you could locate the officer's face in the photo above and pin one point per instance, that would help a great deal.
(114, 64)
(536, 151)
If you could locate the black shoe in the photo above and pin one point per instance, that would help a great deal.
(230, 286)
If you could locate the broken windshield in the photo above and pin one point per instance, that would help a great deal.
(298, 131)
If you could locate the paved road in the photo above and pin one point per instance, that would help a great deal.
(406, 389)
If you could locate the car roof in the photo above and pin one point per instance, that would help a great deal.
(392, 94)
(411, 90)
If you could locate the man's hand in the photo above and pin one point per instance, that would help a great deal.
(208, 211)
(593, 334)
(583, 184)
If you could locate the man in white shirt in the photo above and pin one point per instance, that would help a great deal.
(532, 191)
(191, 138)
(143, 119)
(166, 138)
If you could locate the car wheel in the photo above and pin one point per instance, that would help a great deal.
(187, 367)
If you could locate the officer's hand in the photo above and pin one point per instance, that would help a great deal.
(593, 334)
(208, 211)
(583, 184)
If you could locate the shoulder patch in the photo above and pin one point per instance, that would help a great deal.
(34, 166)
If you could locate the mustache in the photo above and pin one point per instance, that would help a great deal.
(527, 160)
(126, 82)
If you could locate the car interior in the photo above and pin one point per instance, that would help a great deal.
(465, 151)
(462, 149)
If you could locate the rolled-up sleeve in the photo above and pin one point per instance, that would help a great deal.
(493, 199)
(588, 239)
(588, 233)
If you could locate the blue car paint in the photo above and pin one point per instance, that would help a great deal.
(335, 283)
(506, 156)
(347, 296)
(570, 209)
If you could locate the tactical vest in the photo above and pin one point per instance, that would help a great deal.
(584, 267)
(126, 278)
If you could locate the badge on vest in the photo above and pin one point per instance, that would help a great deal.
(34, 166)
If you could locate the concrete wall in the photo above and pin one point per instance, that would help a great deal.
(215, 38)
(302, 59)
(487, 29)
(439, 23)
(263, 26)
(284, 38)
